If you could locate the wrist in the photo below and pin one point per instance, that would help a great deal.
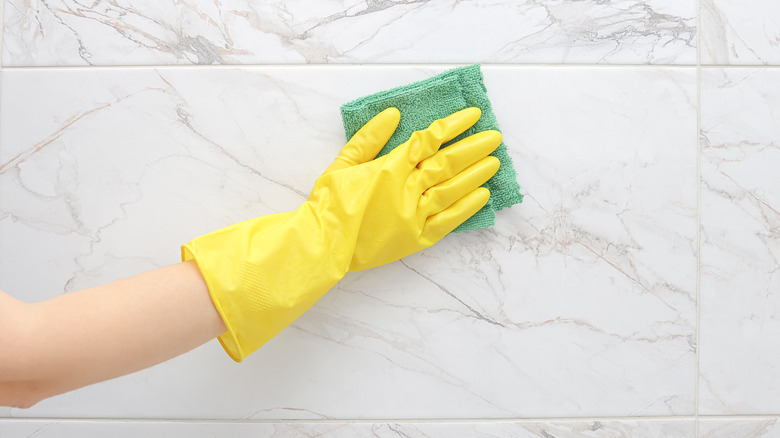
(264, 273)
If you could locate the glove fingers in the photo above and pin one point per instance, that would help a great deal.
(368, 141)
(423, 144)
(441, 224)
(451, 160)
(441, 196)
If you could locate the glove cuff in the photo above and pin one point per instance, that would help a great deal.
(261, 277)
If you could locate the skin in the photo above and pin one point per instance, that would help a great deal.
(101, 333)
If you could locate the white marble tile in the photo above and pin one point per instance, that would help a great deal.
(67, 32)
(740, 254)
(574, 429)
(739, 428)
(579, 302)
(2, 25)
(734, 32)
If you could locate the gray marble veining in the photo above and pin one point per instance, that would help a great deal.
(68, 32)
(740, 255)
(579, 302)
(641, 267)
(733, 33)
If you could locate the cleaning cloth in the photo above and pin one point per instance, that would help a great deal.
(423, 102)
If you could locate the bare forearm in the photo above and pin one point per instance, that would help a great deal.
(108, 331)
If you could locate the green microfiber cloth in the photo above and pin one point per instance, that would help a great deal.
(423, 102)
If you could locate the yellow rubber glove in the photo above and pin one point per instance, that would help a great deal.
(264, 273)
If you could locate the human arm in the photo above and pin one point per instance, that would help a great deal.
(84, 337)
(254, 278)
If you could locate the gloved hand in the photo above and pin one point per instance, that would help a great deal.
(264, 273)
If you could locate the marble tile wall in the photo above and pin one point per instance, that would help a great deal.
(634, 293)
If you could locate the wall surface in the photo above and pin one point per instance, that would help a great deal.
(634, 293)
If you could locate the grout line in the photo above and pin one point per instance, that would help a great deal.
(695, 418)
(362, 421)
(698, 219)
(738, 66)
(379, 66)
(338, 65)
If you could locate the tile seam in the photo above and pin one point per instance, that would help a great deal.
(694, 418)
(698, 217)
(382, 66)
(336, 66)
